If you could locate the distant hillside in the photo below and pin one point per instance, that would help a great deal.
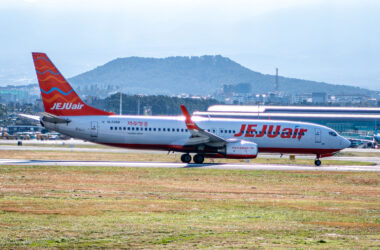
(196, 75)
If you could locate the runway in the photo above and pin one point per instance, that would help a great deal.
(81, 146)
(184, 165)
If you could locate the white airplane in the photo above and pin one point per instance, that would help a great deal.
(66, 113)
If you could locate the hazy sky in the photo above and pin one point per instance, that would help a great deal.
(334, 41)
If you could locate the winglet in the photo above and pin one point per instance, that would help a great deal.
(189, 123)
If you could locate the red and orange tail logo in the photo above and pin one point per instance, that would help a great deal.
(58, 96)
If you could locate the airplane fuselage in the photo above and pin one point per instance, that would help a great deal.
(170, 133)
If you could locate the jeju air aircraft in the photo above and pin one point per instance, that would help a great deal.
(66, 113)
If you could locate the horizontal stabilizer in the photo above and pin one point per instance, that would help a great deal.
(46, 117)
(31, 117)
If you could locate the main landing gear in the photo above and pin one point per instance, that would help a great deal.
(198, 158)
(186, 158)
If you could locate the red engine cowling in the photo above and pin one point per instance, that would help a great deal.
(241, 150)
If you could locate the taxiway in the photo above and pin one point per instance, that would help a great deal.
(184, 165)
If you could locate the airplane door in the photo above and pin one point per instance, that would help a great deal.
(318, 135)
(94, 129)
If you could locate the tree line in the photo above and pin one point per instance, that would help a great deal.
(155, 104)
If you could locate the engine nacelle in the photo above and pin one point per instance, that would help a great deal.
(241, 150)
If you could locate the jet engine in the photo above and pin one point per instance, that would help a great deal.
(240, 149)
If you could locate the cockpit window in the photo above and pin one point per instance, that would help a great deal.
(332, 133)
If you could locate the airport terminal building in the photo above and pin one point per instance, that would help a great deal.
(348, 121)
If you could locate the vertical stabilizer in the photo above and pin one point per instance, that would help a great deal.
(58, 96)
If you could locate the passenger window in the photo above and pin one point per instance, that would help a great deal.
(163, 129)
(173, 129)
(181, 129)
(133, 128)
(146, 129)
(124, 128)
(137, 129)
(186, 130)
(111, 128)
(159, 129)
(154, 129)
(213, 130)
(150, 129)
(177, 129)
(129, 128)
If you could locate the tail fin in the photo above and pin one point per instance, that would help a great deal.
(58, 96)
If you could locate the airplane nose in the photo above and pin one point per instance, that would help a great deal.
(345, 143)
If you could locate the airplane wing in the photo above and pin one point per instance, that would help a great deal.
(199, 135)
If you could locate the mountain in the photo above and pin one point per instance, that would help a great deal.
(196, 75)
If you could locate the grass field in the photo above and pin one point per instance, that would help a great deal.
(72, 207)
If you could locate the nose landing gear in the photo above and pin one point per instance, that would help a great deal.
(317, 162)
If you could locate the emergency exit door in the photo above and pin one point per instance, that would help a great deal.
(318, 135)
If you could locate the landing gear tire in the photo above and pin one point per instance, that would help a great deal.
(199, 159)
(186, 158)
(317, 162)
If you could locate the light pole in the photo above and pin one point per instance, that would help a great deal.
(121, 103)
(138, 104)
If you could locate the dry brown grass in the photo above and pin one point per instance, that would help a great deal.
(347, 224)
(84, 156)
